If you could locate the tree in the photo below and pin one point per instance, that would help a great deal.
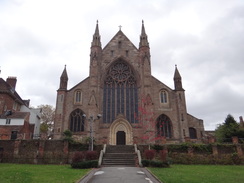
(146, 120)
(47, 119)
(228, 129)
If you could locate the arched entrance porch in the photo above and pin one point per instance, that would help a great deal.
(120, 133)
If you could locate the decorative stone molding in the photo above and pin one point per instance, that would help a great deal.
(120, 124)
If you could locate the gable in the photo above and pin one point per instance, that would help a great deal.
(120, 36)
(160, 84)
(119, 47)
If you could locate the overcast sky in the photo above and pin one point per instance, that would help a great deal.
(205, 38)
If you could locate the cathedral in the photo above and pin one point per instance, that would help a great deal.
(121, 102)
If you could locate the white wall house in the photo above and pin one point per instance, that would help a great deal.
(34, 119)
(12, 122)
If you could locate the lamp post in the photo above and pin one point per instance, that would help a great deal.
(91, 120)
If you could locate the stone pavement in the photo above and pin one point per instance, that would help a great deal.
(120, 175)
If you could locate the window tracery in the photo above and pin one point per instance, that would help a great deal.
(120, 93)
(77, 121)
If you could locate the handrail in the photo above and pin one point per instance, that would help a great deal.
(102, 152)
(138, 155)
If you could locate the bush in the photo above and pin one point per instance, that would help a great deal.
(157, 147)
(149, 154)
(67, 133)
(152, 163)
(78, 157)
(91, 155)
(226, 159)
(181, 148)
(145, 162)
(202, 148)
(159, 164)
(68, 136)
(85, 164)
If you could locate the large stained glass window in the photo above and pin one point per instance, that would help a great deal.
(164, 126)
(120, 93)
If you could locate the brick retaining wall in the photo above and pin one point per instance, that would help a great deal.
(39, 151)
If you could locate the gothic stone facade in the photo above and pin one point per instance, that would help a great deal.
(133, 106)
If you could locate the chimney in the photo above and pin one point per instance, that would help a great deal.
(12, 81)
(27, 102)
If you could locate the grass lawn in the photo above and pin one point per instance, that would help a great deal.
(39, 173)
(200, 174)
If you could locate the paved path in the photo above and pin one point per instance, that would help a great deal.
(119, 175)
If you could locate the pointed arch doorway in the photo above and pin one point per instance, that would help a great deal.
(120, 133)
(120, 138)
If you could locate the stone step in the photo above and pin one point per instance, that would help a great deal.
(127, 158)
(120, 148)
(119, 160)
(120, 154)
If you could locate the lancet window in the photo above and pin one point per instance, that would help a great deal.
(163, 97)
(164, 126)
(77, 121)
(193, 133)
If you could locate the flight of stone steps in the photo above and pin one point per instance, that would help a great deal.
(119, 155)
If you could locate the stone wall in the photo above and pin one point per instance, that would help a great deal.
(40, 151)
(198, 153)
(61, 152)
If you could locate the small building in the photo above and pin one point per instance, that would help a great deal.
(17, 120)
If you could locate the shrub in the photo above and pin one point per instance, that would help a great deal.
(149, 154)
(152, 163)
(85, 164)
(145, 162)
(202, 148)
(183, 148)
(67, 133)
(157, 147)
(91, 155)
(78, 157)
(68, 136)
(159, 164)
(236, 159)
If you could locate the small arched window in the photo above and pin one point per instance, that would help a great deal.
(163, 97)
(193, 133)
(77, 121)
(78, 97)
(164, 126)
